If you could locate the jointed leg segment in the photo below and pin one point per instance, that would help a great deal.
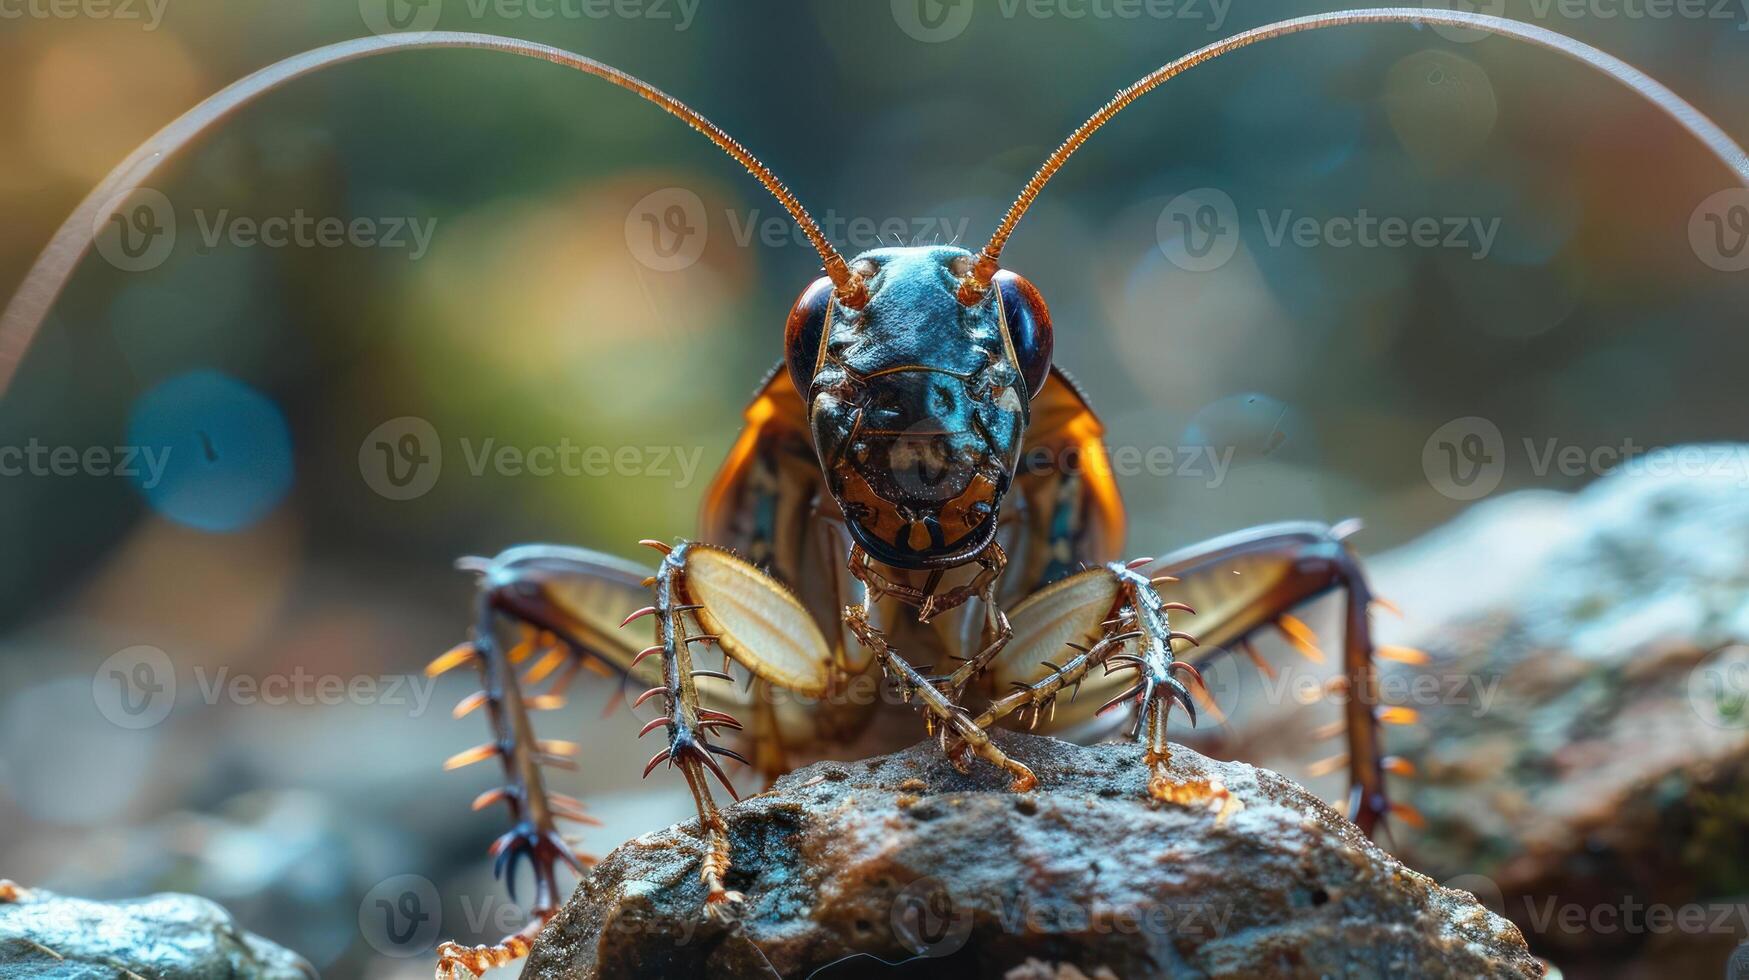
(533, 835)
(1232, 587)
(939, 697)
(939, 711)
(1127, 614)
(1281, 567)
(689, 725)
(561, 597)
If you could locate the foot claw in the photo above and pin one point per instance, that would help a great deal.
(453, 957)
(474, 961)
(1209, 794)
(723, 905)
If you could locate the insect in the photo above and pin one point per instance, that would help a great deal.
(874, 524)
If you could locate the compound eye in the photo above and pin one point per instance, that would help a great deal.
(804, 333)
(865, 268)
(1029, 328)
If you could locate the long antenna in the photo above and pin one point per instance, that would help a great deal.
(1687, 116)
(48, 276)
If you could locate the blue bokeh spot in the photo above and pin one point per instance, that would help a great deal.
(224, 449)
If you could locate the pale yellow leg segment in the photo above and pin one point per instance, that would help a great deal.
(757, 624)
(765, 740)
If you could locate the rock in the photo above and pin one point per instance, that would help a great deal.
(1598, 795)
(903, 859)
(44, 936)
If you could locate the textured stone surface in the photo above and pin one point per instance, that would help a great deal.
(1599, 797)
(901, 858)
(44, 936)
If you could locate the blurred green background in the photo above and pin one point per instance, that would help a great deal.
(270, 545)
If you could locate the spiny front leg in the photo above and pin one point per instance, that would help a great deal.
(1156, 688)
(938, 709)
(930, 604)
(533, 835)
(708, 595)
(1134, 642)
(562, 604)
(1231, 588)
(1245, 582)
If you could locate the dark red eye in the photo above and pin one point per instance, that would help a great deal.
(802, 335)
(1029, 328)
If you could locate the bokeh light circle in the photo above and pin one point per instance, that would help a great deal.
(214, 453)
